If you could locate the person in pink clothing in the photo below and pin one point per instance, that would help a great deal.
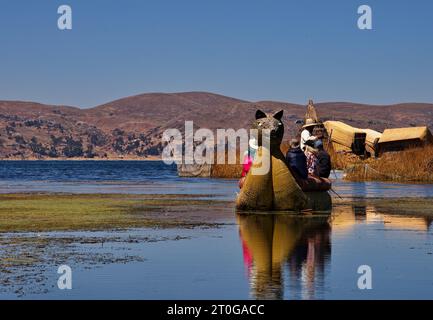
(248, 160)
(247, 163)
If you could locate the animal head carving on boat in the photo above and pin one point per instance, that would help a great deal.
(271, 122)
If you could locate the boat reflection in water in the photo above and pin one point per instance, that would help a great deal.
(285, 251)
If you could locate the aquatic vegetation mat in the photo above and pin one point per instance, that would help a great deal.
(59, 212)
(28, 261)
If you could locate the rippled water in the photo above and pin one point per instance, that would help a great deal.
(154, 177)
(133, 177)
(271, 256)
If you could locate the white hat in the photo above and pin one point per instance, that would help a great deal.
(253, 144)
(309, 122)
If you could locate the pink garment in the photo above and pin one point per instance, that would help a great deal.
(248, 161)
(248, 257)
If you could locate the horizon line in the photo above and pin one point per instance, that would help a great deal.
(265, 100)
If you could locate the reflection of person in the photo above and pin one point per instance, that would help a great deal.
(307, 263)
(271, 240)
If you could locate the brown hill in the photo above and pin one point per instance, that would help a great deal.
(132, 127)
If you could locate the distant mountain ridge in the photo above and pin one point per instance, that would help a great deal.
(132, 127)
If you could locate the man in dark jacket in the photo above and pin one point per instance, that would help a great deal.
(323, 162)
(296, 159)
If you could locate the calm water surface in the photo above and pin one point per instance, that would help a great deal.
(255, 256)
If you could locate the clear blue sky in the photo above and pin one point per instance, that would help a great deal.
(280, 50)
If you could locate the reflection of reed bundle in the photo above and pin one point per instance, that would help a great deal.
(276, 240)
(345, 217)
(267, 285)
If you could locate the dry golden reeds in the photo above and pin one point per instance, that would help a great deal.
(228, 170)
(414, 165)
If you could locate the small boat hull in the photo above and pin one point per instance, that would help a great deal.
(319, 201)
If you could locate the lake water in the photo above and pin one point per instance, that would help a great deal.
(248, 257)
